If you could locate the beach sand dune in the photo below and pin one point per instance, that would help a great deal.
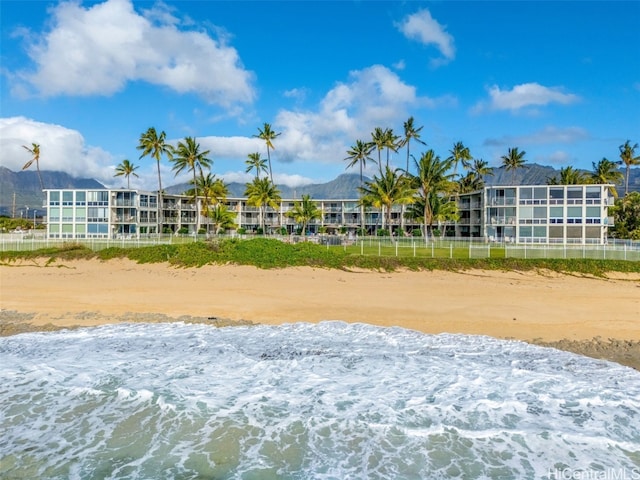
(541, 307)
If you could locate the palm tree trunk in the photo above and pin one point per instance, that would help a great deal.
(195, 187)
(269, 158)
(160, 205)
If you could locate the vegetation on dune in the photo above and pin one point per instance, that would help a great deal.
(271, 253)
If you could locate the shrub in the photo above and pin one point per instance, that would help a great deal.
(183, 231)
(382, 232)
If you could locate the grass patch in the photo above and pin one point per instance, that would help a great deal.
(271, 253)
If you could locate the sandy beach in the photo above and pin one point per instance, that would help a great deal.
(594, 316)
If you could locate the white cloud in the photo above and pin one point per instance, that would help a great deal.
(422, 27)
(372, 97)
(559, 157)
(369, 98)
(98, 49)
(524, 95)
(61, 149)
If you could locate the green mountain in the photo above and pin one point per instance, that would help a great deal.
(22, 189)
(25, 186)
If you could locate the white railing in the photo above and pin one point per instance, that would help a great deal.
(406, 246)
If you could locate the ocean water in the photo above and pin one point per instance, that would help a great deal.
(302, 401)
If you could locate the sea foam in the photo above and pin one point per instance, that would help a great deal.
(301, 401)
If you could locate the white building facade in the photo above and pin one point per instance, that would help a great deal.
(545, 214)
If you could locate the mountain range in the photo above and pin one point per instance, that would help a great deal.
(20, 191)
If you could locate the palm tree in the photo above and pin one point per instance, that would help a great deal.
(410, 132)
(304, 212)
(443, 209)
(606, 171)
(513, 160)
(480, 168)
(431, 178)
(390, 142)
(268, 135)
(378, 139)
(126, 169)
(460, 154)
(568, 176)
(474, 179)
(262, 193)
(187, 156)
(391, 188)
(155, 146)
(254, 162)
(221, 218)
(628, 158)
(360, 154)
(35, 152)
(212, 190)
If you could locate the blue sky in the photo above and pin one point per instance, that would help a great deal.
(559, 80)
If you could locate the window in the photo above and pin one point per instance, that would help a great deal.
(81, 214)
(54, 214)
(574, 214)
(97, 214)
(67, 214)
(540, 193)
(81, 198)
(593, 195)
(556, 195)
(54, 198)
(526, 194)
(539, 232)
(67, 198)
(100, 197)
(526, 231)
(574, 195)
(556, 214)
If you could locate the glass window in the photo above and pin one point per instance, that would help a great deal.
(574, 212)
(526, 231)
(555, 212)
(67, 214)
(539, 232)
(54, 228)
(539, 212)
(574, 192)
(54, 198)
(556, 232)
(67, 198)
(526, 212)
(593, 212)
(67, 228)
(81, 228)
(540, 193)
(81, 198)
(526, 193)
(556, 193)
(81, 214)
(54, 214)
(593, 192)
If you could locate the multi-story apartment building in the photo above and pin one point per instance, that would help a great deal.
(537, 214)
(523, 214)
